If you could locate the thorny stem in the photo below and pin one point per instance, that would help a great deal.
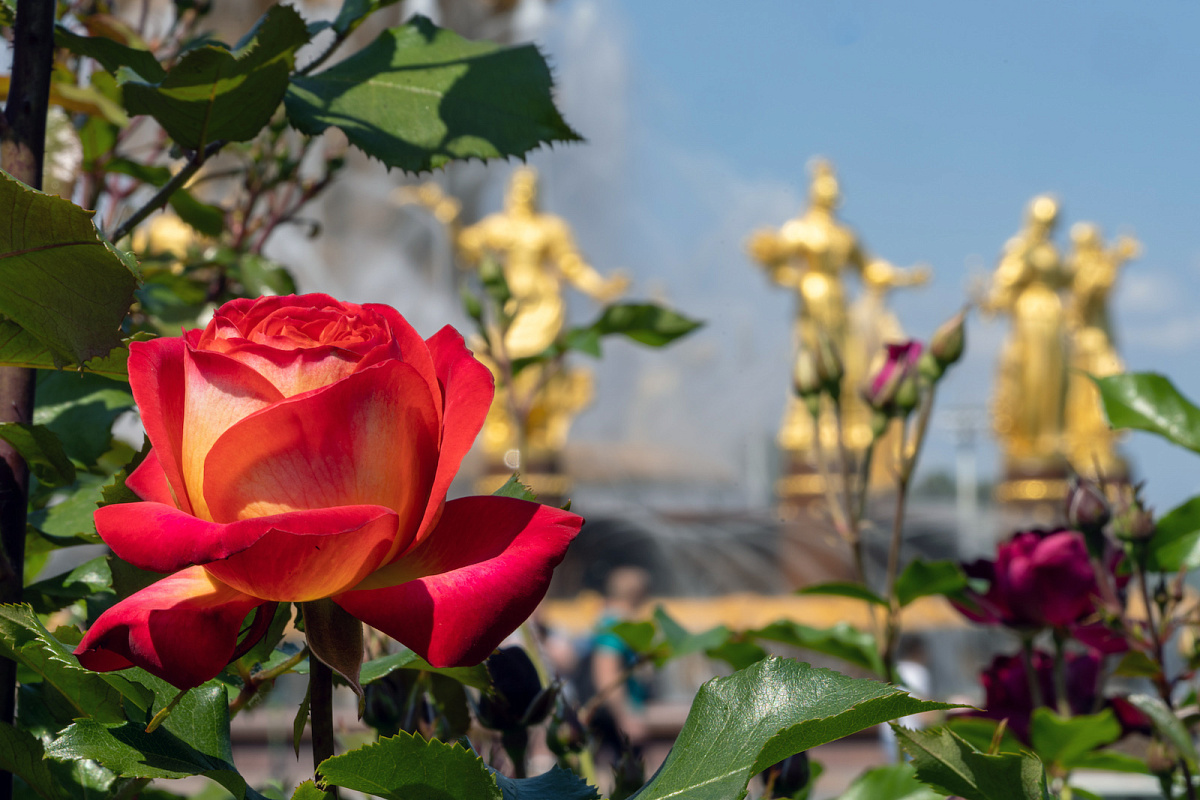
(1060, 674)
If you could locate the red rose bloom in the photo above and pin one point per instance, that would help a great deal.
(302, 451)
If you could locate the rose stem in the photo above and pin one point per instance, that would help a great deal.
(23, 129)
(320, 709)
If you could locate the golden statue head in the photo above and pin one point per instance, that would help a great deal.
(522, 191)
(1043, 212)
(1085, 236)
(824, 192)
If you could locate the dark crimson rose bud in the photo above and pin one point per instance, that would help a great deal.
(1038, 579)
(789, 776)
(517, 689)
(1087, 507)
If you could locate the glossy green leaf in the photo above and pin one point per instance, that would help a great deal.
(1064, 740)
(111, 54)
(83, 581)
(893, 782)
(737, 653)
(206, 218)
(842, 641)
(216, 94)
(646, 323)
(1176, 542)
(80, 409)
(403, 767)
(926, 578)
(42, 451)
(679, 641)
(1168, 725)
(740, 725)
(59, 281)
(557, 784)
(947, 763)
(192, 740)
(19, 348)
(419, 96)
(855, 591)
(102, 696)
(22, 755)
(1150, 402)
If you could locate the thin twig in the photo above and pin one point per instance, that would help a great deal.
(160, 198)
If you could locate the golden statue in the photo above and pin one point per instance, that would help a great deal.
(809, 254)
(536, 254)
(1094, 269)
(1031, 384)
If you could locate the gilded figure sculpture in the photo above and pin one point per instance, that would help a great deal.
(1090, 443)
(809, 255)
(1031, 384)
(537, 255)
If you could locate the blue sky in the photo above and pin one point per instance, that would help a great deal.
(943, 120)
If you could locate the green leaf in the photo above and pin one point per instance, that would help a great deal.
(1176, 541)
(418, 97)
(354, 12)
(1169, 726)
(310, 791)
(737, 653)
(59, 280)
(1136, 664)
(557, 784)
(740, 725)
(85, 580)
(117, 492)
(678, 641)
(214, 94)
(111, 54)
(979, 732)
(404, 767)
(42, 451)
(647, 323)
(514, 488)
(950, 765)
(855, 591)
(1111, 761)
(260, 275)
(73, 517)
(926, 578)
(638, 635)
(193, 740)
(1150, 402)
(80, 409)
(19, 348)
(1064, 740)
(893, 782)
(22, 755)
(91, 694)
(204, 217)
(842, 641)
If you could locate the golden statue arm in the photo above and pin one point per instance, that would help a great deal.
(581, 274)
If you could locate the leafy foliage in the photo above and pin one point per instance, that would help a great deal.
(952, 766)
(59, 281)
(742, 724)
(1176, 541)
(216, 94)
(419, 96)
(405, 766)
(893, 782)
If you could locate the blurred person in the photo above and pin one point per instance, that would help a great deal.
(619, 719)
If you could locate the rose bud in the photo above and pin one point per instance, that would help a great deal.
(891, 370)
(302, 450)
(790, 776)
(946, 344)
(829, 365)
(1134, 522)
(805, 380)
(1087, 507)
